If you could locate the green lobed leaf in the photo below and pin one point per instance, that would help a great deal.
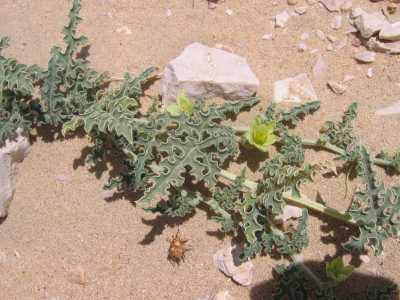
(337, 271)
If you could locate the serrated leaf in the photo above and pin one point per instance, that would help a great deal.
(376, 209)
(198, 146)
(69, 85)
(337, 271)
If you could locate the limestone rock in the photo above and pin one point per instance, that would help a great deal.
(370, 23)
(295, 89)
(390, 32)
(11, 153)
(365, 57)
(204, 72)
(226, 260)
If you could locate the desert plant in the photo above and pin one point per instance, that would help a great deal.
(165, 151)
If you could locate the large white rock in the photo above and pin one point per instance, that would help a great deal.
(226, 260)
(294, 89)
(11, 153)
(370, 23)
(390, 32)
(204, 72)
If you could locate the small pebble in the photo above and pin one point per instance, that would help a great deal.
(292, 2)
(302, 47)
(301, 10)
(304, 36)
(365, 258)
(320, 34)
(281, 19)
(3, 257)
(336, 87)
(348, 77)
(391, 8)
(168, 12)
(229, 12)
(370, 72)
(336, 22)
(268, 36)
(365, 57)
(331, 38)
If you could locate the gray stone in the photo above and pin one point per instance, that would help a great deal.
(203, 72)
(227, 261)
(295, 89)
(11, 153)
(365, 57)
(370, 23)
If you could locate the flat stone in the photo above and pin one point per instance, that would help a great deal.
(203, 72)
(390, 32)
(336, 87)
(300, 10)
(392, 109)
(227, 261)
(370, 23)
(365, 57)
(295, 89)
(11, 153)
(332, 5)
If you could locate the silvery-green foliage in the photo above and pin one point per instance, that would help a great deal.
(17, 107)
(69, 85)
(376, 209)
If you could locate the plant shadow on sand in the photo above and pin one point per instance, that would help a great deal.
(357, 287)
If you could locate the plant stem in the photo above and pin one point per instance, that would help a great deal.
(314, 143)
(297, 260)
(303, 201)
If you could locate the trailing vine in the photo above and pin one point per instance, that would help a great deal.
(163, 150)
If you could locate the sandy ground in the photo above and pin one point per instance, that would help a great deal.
(59, 230)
